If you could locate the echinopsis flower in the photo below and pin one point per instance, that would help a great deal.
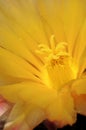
(43, 61)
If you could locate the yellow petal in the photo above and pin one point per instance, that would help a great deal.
(29, 93)
(73, 15)
(16, 116)
(14, 43)
(35, 115)
(82, 62)
(18, 35)
(64, 18)
(79, 50)
(50, 16)
(23, 16)
(14, 66)
(42, 94)
(61, 111)
(79, 86)
(33, 92)
(78, 89)
(24, 116)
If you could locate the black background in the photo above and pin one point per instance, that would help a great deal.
(79, 125)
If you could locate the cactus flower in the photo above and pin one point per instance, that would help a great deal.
(43, 61)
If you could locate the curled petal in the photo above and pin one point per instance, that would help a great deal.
(24, 117)
(29, 92)
(15, 118)
(35, 95)
(79, 94)
(61, 111)
(4, 107)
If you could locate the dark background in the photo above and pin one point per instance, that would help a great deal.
(79, 125)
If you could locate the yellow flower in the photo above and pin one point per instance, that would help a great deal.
(43, 61)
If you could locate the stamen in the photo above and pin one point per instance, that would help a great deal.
(59, 67)
(52, 42)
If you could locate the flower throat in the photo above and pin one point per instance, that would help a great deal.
(58, 65)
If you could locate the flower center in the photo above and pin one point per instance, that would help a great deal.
(59, 68)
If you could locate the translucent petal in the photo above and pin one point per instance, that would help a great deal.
(78, 89)
(24, 116)
(35, 116)
(4, 107)
(15, 117)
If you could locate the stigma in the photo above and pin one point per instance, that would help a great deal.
(58, 67)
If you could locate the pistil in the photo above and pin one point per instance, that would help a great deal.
(58, 64)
